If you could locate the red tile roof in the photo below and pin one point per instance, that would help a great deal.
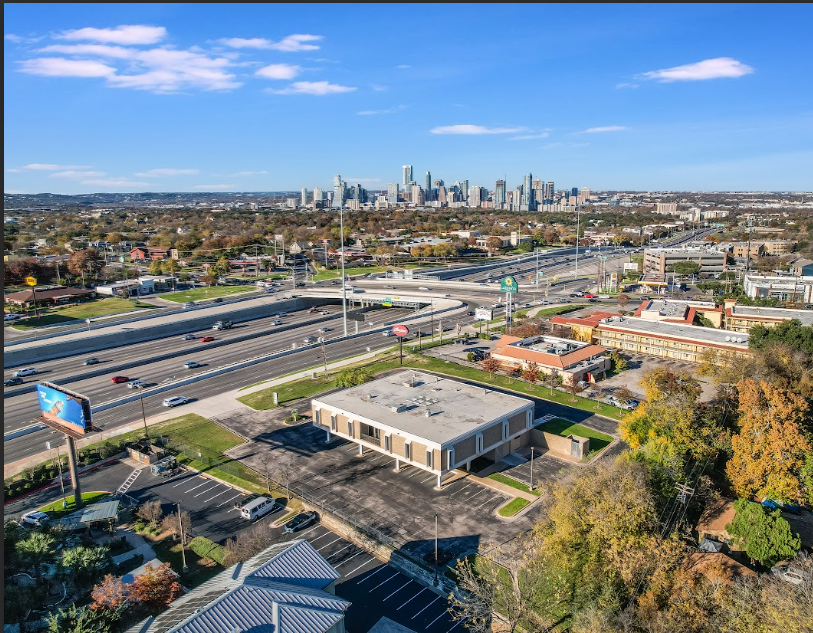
(591, 320)
(505, 349)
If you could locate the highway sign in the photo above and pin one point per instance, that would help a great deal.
(400, 330)
(540, 274)
(509, 284)
(31, 281)
(386, 302)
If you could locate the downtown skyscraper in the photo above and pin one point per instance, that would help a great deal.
(407, 175)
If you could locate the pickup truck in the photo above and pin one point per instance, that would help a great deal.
(222, 325)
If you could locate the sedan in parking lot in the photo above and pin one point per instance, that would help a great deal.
(301, 521)
(117, 379)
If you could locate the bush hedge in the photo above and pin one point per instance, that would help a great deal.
(206, 548)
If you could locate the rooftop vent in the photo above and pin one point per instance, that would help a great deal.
(398, 408)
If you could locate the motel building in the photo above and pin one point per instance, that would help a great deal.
(426, 421)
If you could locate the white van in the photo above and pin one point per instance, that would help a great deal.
(258, 508)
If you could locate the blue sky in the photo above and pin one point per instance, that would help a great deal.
(238, 97)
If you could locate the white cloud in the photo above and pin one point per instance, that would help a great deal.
(318, 88)
(399, 108)
(716, 68)
(77, 174)
(403, 66)
(10, 37)
(125, 34)
(98, 50)
(606, 128)
(213, 187)
(625, 84)
(289, 44)
(61, 67)
(240, 174)
(50, 167)
(167, 171)
(529, 137)
(116, 182)
(475, 129)
(278, 71)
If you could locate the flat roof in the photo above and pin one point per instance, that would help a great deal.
(677, 330)
(456, 409)
(805, 316)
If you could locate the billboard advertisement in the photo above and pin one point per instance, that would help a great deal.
(483, 314)
(64, 407)
(631, 266)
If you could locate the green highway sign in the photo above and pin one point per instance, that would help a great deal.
(540, 274)
(386, 302)
(509, 284)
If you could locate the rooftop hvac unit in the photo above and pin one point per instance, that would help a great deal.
(398, 408)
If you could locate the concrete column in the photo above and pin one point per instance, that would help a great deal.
(397, 465)
(468, 466)
(361, 449)
(327, 439)
(77, 489)
(439, 476)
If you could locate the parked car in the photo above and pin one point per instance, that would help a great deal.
(136, 383)
(28, 371)
(258, 508)
(192, 364)
(11, 316)
(174, 401)
(13, 381)
(91, 361)
(788, 574)
(207, 339)
(117, 379)
(188, 337)
(238, 505)
(35, 518)
(301, 521)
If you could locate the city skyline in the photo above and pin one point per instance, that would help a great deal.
(133, 98)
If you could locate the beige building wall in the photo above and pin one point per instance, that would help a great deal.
(397, 444)
(688, 351)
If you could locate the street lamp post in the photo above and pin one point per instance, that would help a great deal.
(59, 465)
(436, 550)
(143, 415)
(183, 541)
(532, 468)
(344, 292)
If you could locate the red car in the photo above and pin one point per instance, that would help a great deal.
(118, 379)
(207, 339)
(587, 295)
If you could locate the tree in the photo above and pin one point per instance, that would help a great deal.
(774, 441)
(82, 620)
(156, 587)
(574, 389)
(552, 380)
(491, 366)
(791, 332)
(170, 524)
(36, 549)
(170, 266)
(619, 363)
(220, 268)
(765, 535)
(209, 280)
(494, 244)
(531, 373)
(685, 268)
(86, 262)
(151, 512)
(156, 266)
(623, 301)
(353, 376)
(84, 562)
(111, 593)
(623, 394)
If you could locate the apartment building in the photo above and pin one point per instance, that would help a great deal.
(659, 260)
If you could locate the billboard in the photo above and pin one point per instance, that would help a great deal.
(631, 266)
(483, 314)
(64, 408)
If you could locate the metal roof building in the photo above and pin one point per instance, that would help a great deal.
(287, 588)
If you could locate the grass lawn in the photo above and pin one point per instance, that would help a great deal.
(85, 310)
(56, 511)
(199, 294)
(336, 273)
(510, 481)
(558, 426)
(543, 313)
(512, 507)
(168, 550)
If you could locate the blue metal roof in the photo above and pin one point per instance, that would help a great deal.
(299, 565)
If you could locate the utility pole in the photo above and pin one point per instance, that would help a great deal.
(59, 465)
(344, 292)
(578, 218)
(324, 354)
(532, 468)
(183, 540)
(143, 415)
(436, 549)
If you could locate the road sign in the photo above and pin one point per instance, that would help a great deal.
(386, 302)
(400, 330)
(31, 281)
(483, 314)
(540, 274)
(554, 279)
(509, 284)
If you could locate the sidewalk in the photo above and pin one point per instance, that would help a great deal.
(139, 545)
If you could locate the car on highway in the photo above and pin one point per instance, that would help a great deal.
(12, 382)
(135, 383)
(309, 339)
(91, 361)
(324, 312)
(35, 518)
(388, 333)
(589, 295)
(422, 288)
(276, 322)
(188, 337)
(301, 521)
(207, 339)
(118, 379)
(390, 287)
(192, 364)
(27, 371)
(563, 300)
(592, 300)
(282, 314)
(470, 313)
(174, 401)
(313, 310)
(322, 330)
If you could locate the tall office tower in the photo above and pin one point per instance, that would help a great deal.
(475, 196)
(338, 192)
(428, 187)
(516, 202)
(439, 183)
(574, 192)
(585, 191)
(392, 193)
(359, 193)
(417, 194)
(539, 191)
(464, 190)
(527, 192)
(549, 191)
(407, 174)
(304, 196)
(442, 194)
(499, 194)
(317, 196)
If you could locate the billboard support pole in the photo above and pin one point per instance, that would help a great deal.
(401, 346)
(77, 489)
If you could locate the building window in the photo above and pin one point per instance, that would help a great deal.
(478, 445)
(332, 422)
(370, 434)
(429, 455)
(317, 416)
(505, 429)
(407, 450)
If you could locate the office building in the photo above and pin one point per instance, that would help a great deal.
(464, 190)
(549, 192)
(784, 288)
(407, 174)
(574, 192)
(417, 195)
(338, 192)
(585, 193)
(304, 199)
(428, 187)
(661, 260)
(666, 208)
(442, 199)
(475, 196)
(425, 421)
(737, 318)
(499, 194)
(392, 193)
(317, 196)
(527, 193)
(539, 192)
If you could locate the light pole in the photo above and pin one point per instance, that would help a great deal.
(183, 541)
(143, 415)
(436, 550)
(578, 218)
(59, 465)
(341, 248)
(532, 468)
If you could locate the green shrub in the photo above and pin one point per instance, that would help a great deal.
(206, 548)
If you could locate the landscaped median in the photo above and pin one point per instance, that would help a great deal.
(84, 310)
(598, 440)
(513, 507)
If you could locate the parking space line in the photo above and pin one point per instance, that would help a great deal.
(386, 581)
(310, 529)
(180, 483)
(442, 613)
(417, 471)
(459, 622)
(489, 500)
(338, 538)
(462, 489)
(482, 490)
(340, 551)
(217, 495)
(359, 553)
(411, 599)
(373, 574)
(426, 607)
(372, 558)
(227, 501)
(203, 492)
(198, 486)
(397, 590)
(320, 536)
(424, 481)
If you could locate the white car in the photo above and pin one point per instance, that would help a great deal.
(35, 518)
(134, 384)
(11, 316)
(174, 401)
(422, 288)
(276, 322)
(192, 364)
(188, 337)
(28, 371)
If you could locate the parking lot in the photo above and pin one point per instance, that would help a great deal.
(546, 468)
